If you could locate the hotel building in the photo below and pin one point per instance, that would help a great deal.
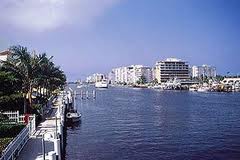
(171, 68)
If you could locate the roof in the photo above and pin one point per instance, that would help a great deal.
(6, 52)
(173, 60)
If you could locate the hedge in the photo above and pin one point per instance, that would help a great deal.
(10, 130)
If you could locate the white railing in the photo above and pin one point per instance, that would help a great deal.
(13, 116)
(17, 144)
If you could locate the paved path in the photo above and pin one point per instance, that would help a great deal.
(33, 148)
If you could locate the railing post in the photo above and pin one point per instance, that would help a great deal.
(87, 94)
(34, 122)
(18, 117)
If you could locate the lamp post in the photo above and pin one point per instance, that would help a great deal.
(43, 146)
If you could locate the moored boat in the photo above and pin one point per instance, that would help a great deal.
(203, 89)
(73, 116)
(101, 84)
(193, 88)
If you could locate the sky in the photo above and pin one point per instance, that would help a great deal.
(94, 36)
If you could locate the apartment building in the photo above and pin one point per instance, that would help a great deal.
(132, 74)
(204, 71)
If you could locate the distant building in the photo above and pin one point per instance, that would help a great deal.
(95, 78)
(132, 74)
(121, 74)
(204, 71)
(171, 68)
(154, 73)
(139, 71)
(111, 77)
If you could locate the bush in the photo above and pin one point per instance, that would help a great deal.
(11, 102)
(3, 143)
(10, 130)
(3, 118)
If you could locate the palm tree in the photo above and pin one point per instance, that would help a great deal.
(50, 77)
(19, 64)
(34, 71)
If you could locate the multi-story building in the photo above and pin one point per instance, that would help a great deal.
(139, 71)
(95, 78)
(171, 68)
(111, 77)
(120, 74)
(132, 74)
(154, 73)
(204, 71)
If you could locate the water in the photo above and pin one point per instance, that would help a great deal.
(144, 124)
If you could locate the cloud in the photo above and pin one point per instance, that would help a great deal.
(42, 15)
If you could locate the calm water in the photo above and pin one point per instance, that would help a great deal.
(148, 124)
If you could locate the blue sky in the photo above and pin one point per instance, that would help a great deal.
(87, 36)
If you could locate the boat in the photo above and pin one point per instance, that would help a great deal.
(203, 89)
(156, 87)
(73, 116)
(101, 84)
(193, 88)
(79, 86)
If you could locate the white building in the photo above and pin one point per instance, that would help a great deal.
(122, 74)
(171, 68)
(132, 74)
(96, 77)
(154, 73)
(111, 77)
(204, 71)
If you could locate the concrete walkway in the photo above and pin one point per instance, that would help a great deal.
(33, 148)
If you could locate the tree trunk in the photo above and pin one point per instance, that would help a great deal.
(30, 97)
(24, 103)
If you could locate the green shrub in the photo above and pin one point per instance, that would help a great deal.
(10, 130)
(3, 143)
(3, 118)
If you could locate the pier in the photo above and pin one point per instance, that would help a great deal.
(84, 94)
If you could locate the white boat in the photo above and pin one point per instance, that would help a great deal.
(203, 89)
(193, 88)
(158, 87)
(101, 84)
(79, 86)
(73, 116)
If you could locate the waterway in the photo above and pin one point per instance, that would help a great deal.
(146, 124)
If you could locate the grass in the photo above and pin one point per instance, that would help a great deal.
(3, 143)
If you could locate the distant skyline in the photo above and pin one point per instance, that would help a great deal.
(94, 36)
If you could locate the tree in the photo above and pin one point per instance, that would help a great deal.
(34, 71)
(155, 81)
(10, 98)
(9, 83)
(219, 78)
(142, 80)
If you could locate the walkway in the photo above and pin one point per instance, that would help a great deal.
(33, 148)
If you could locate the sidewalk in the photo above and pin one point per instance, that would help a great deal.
(33, 148)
